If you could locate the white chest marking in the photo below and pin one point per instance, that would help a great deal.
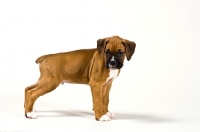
(112, 75)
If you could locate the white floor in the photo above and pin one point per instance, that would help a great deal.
(70, 108)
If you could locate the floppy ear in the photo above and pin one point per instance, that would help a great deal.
(101, 44)
(130, 48)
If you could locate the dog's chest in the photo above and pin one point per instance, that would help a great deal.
(112, 75)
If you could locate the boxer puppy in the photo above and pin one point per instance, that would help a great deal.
(96, 67)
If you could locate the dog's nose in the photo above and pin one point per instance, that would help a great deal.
(113, 62)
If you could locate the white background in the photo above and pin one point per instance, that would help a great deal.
(157, 90)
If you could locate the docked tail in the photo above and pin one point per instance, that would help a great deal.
(41, 58)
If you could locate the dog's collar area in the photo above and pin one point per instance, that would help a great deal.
(113, 68)
(112, 74)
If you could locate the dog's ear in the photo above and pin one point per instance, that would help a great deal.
(101, 45)
(129, 47)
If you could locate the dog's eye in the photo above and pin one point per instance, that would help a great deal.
(107, 52)
(120, 53)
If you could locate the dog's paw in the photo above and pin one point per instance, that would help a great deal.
(104, 118)
(110, 114)
(34, 110)
(31, 115)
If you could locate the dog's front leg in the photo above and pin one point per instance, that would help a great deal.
(105, 98)
(96, 89)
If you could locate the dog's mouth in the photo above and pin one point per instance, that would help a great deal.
(112, 67)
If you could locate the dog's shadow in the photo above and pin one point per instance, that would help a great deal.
(148, 118)
(119, 116)
(58, 113)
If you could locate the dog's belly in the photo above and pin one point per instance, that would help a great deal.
(112, 75)
(68, 81)
(65, 81)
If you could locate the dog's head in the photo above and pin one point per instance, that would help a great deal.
(115, 49)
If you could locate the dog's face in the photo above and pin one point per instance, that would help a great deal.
(114, 49)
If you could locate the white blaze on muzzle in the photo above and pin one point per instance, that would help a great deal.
(113, 58)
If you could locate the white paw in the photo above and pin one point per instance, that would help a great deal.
(31, 115)
(34, 110)
(110, 114)
(104, 118)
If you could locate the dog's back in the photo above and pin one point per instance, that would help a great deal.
(87, 51)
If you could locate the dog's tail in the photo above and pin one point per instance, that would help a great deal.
(41, 58)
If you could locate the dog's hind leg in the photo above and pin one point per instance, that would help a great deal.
(44, 86)
(29, 88)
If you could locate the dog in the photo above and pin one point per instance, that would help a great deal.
(96, 67)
